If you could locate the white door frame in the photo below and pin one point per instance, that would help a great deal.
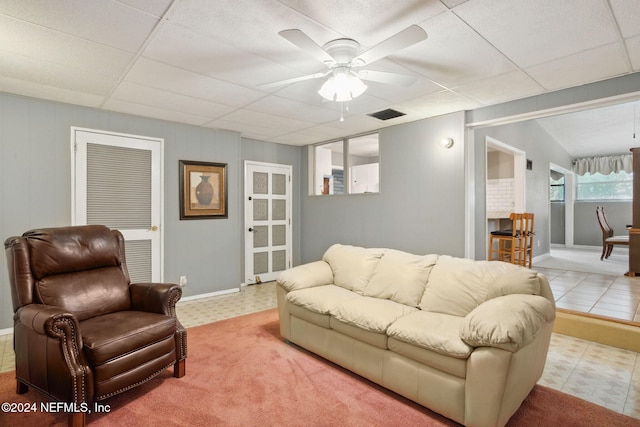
(249, 277)
(569, 198)
(155, 233)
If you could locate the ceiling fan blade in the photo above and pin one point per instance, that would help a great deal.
(300, 39)
(293, 80)
(387, 78)
(405, 38)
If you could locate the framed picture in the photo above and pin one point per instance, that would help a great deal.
(203, 190)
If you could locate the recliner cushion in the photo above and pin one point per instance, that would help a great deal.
(70, 249)
(87, 293)
(116, 334)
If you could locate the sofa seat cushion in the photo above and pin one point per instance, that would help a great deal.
(456, 286)
(303, 313)
(401, 277)
(434, 331)
(321, 299)
(371, 314)
(441, 362)
(352, 266)
(116, 334)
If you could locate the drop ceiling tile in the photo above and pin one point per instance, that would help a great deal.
(26, 39)
(42, 91)
(633, 49)
(137, 109)
(309, 113)
(283, 123)
(49, 74)
(156, 8)
(188, 83)
(184, 49)
(626, 13)
(584, 67)
(535, 32)
(152, 97)
(91, 20)
(368, 23)
(295, 139)
(439, 103)
(501, 88)
(246, 129)
(453, 54)
(250, 25)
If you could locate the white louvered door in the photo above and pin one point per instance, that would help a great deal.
(117, 182)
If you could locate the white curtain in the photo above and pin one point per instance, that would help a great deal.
(604, 165)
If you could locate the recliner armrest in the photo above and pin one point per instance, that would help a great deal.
(155, 297)
(508, 322)
(53, 322)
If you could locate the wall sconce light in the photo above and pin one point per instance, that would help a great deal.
(446, 142)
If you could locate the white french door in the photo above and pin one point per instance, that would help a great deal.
(268, 211)
(117, 182)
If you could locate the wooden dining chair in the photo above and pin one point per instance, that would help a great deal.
(514, 245)
(609, 239)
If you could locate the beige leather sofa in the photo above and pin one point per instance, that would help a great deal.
(467, 339)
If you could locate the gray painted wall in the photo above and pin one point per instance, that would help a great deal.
(541, 149)
(557, 223)
(35, 186)
(586, 229)
(420, 207)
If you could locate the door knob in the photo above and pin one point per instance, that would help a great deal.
(154, 228)
(250, 229)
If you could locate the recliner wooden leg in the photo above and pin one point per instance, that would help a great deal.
(21, 388)
(77, 419)
(179, 368)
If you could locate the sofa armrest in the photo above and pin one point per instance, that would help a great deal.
(508, 322)
(317, 273)
(155, 297)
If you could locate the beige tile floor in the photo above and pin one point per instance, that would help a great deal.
(607, 376)
(582, 282)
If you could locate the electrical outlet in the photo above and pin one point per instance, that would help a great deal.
(183, 280)
(538, 243)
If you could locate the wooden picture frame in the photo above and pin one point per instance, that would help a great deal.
(203, 190)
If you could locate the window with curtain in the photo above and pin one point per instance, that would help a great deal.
(604, 178)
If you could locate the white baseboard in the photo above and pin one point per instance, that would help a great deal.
(210, 294)
(6, 331)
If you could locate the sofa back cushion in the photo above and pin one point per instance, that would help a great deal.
(352, 266)
(456, 285)
(401, 277)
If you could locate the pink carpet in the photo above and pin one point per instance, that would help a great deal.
(241, 373)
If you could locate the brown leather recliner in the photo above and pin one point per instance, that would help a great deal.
(82, 331)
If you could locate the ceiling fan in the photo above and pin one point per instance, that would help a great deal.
(345, 62)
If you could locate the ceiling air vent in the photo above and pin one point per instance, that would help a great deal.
(387, 114)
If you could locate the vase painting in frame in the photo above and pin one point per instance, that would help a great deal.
(203, 190)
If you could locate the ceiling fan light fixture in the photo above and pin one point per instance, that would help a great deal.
(342, 86)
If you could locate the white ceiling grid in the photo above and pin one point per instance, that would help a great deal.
(201, 62)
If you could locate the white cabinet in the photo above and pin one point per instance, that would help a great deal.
(365, 178)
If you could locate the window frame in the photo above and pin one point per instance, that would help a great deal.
(315, 187)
